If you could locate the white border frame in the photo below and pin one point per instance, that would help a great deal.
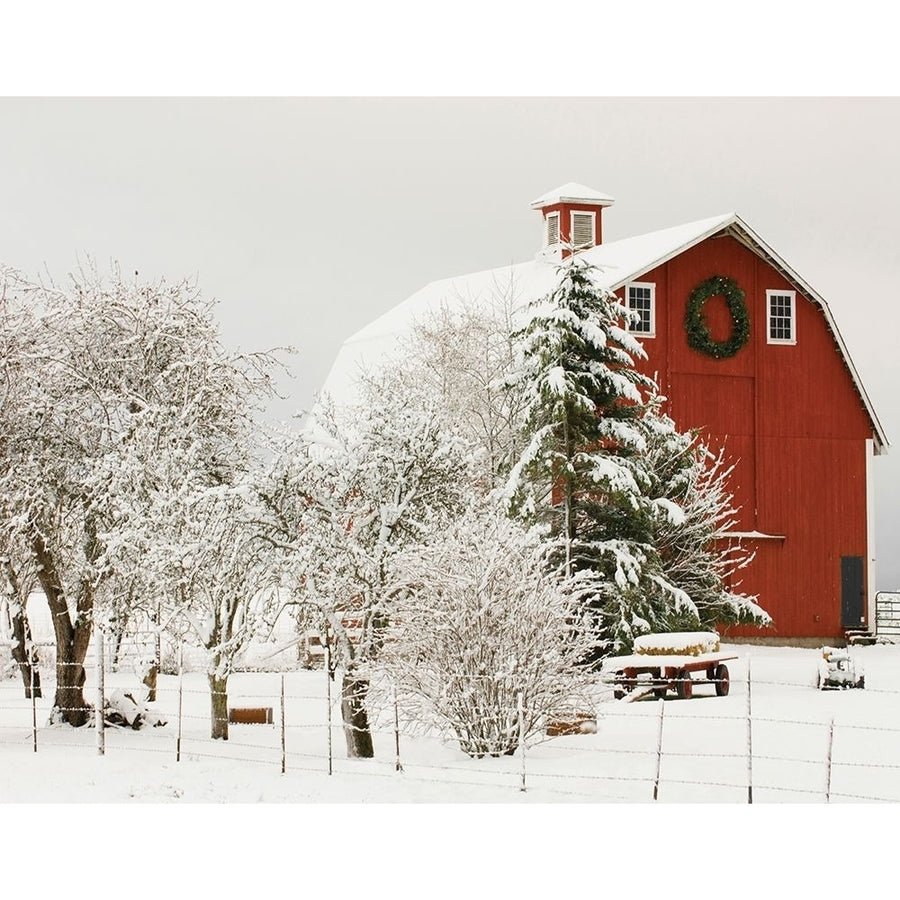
(643, 284)
(793, 298)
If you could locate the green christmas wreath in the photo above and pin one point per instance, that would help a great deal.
(695, 323)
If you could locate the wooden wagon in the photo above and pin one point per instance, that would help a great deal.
(659, 674)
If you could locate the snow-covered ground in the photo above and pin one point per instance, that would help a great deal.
(704, 746)
(704, 760)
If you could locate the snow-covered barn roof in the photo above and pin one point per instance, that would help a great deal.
(618, 263)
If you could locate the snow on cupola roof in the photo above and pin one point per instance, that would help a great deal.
(573, 193)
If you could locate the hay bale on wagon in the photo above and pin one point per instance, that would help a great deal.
(679, 643)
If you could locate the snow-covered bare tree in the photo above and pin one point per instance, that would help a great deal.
(481, 622)
(465, 352)
(110, 383)
(226, 582)
(360, 484)
(696, 553)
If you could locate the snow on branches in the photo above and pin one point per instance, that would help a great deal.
(358, 486)
(630, 505)
(117, 396)
(480, 623)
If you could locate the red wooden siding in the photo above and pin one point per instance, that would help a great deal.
(565, 211)
(791, 418)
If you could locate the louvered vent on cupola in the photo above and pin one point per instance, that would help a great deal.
(582, 230)
(552, 229)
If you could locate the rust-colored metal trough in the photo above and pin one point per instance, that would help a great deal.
(251, 715)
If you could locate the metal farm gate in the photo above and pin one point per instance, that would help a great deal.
(887, 614)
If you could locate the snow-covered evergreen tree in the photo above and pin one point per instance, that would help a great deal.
(584, 473)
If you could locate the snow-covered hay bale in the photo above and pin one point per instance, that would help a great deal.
(679, 643)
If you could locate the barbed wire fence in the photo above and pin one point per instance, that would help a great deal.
(654, 750)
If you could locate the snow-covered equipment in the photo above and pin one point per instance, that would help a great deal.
(663, 662)
(838, 671)
(123, 709)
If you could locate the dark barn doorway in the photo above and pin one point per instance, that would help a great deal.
(852, 591)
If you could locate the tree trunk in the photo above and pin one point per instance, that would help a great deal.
(72, 640)
(25, 653)
(69, 704)
(150, 682)
(218, 698)
(118, 636)
(152, 675)
(356, 720)
(23, 650)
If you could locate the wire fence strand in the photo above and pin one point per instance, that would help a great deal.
(698, 749)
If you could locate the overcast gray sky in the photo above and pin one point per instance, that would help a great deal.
(307, 218)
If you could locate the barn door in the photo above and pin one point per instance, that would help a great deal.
(852, 591)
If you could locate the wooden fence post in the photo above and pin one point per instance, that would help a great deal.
(399, 767)
(98, 715)
(34, 703)
(328, 696)
(283, 753)
(522, 735)
(749, 740)
(180, 700)
(662, 709)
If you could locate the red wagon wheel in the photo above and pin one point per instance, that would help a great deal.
(684, 687)
(723, 681)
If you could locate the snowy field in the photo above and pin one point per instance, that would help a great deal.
(703, 769)
(704, 747)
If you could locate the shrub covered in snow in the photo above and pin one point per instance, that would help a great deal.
(479, 623)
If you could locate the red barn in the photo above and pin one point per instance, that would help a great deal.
(747, 352)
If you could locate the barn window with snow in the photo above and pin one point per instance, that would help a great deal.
(641, 298)
(583, 233)
(782, 329)
(552, 229)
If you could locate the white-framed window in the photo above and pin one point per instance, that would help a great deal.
(640, 297)
(552, 221)
(583, 229)
(781, 317)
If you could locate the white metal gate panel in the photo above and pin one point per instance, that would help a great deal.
(887, 613)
